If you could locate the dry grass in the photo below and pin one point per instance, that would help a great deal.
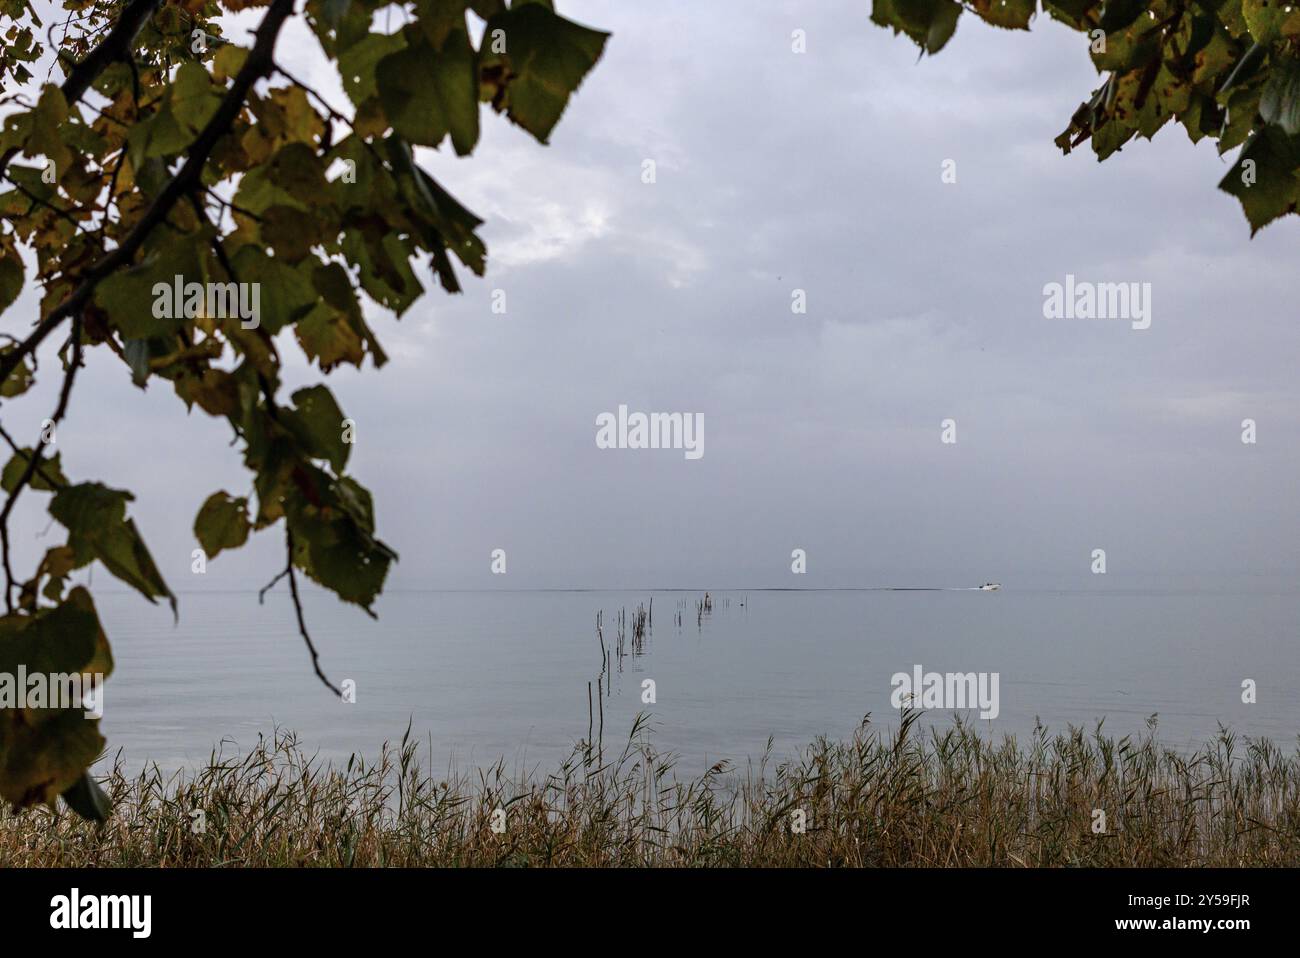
(949, 797)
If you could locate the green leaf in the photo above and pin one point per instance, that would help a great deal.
(429, 91)
(531, 60)
(332, 11)
(1246, 68)
(1279, 101)
(40, 762)
(228, 61)
(452, 224)
(65, 639)
(1118, 14)
(1119, 118)
(335, 331)
(140, 301)
(930, 24)
(1011, 14)
(1263, 178)
(20, 380)
(44, 752)
(284, 294)
(1243, 107)
(358, 62)
(88, 800)
(257, 193)
(384, 258)
(1270, 20)
(48, 122)
(1128, 49)
(193, 98)
(290, 231)
(328, 338)
(222, 523)
(11, 273)
(158, 136)
(95, 517)
(334, 539)
(1072, 12)
(317, 423)
(1217, 56)
(1203, 117)
(337, 556)
(332, 523)
(943, 26)
(17, 465)
(57, 565)
(297, 169)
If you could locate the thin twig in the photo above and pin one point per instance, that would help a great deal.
(115, 46)
(34, 462)
(261, 593)
(302, 624)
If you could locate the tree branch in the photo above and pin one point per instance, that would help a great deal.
(116, 46)
(35, 461)
(288, 570)
(256, 66)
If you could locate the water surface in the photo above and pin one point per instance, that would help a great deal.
(488, 675)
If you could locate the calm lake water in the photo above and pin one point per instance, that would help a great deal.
(488, 675)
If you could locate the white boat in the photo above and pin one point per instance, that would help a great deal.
(990, 587)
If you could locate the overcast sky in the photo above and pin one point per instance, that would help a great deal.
(776, 171)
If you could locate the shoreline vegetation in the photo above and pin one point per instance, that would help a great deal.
(892, 797)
